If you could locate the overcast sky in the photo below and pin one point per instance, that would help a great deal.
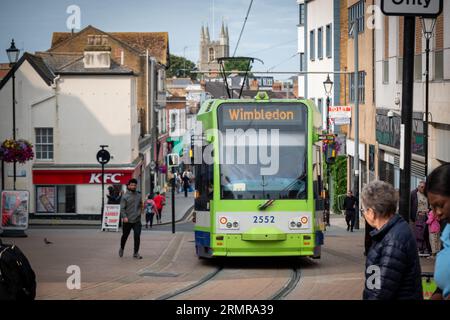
(270, 33)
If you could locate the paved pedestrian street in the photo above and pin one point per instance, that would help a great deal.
(170, 264)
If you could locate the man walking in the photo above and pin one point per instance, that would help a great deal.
(186, 183)
(350, 205)
(131, 209)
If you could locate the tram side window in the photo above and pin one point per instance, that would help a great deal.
(204, 186)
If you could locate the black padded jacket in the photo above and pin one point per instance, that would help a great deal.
(392, 266)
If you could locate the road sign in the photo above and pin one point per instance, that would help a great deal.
(103, 156)
(337, 112)
(418, 8)
(173, 160)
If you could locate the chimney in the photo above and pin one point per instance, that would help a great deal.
(97, 53)
(254, 85)
(277, 86)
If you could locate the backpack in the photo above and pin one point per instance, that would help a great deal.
(149, 207)
(17, 278)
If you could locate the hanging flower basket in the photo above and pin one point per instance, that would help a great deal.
(16, 150)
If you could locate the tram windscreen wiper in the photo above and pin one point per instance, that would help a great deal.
(269, 202)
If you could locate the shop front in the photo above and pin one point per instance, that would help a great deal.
(75, 192)
(388, 138)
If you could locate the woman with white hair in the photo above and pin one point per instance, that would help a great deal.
(392, 263)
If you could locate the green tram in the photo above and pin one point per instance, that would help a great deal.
(268, 207)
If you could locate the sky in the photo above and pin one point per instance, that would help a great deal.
(270, 33)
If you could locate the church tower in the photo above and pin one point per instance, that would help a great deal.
(212, 50)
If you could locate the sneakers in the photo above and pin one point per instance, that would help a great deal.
(137, 256)
(121, 252)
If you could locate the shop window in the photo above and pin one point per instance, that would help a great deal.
(55, 199)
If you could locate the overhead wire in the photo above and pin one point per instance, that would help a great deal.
(243, 26)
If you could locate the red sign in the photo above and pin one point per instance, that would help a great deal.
(81, 176)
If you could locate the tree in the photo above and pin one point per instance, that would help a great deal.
(181, 67)
(237, 65)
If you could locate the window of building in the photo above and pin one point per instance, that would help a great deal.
(418, 67)
(301, 8)
(386, 72)
(399, 69)
(55, 199)
(320, 105)
(361, 87)
(211, 55)
(329, 47)
(312, 45)
(302, 62)
(44, 143)
(320, 43)
(356, 12)
(439, 65)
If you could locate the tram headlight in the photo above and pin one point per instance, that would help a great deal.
(229, 225)
(235, 224)
(293, 224)
(299, 224)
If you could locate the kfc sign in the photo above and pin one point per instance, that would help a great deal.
(109, 178)
(52, 177)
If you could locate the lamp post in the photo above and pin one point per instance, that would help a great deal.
(428, 25)
(13, 56)
(328, 85)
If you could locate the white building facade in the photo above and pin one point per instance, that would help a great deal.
(319, 50)
(67, 113)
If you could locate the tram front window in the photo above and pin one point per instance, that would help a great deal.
(262, 159)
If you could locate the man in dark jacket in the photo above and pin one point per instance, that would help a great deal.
(350, 206)
(131, 209)
(392, 266)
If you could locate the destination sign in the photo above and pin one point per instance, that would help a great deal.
(262, 114)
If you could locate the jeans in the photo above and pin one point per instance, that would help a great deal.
(350, 216)
(137, 227)
(149, 218)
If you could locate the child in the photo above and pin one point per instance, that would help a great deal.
(150, 210)
(435, 230)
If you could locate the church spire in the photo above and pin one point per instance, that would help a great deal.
(207, 33)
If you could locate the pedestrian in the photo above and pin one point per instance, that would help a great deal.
(160, 201)
(392, 264)
(150, 211)
(114, 195)
(186, 183)
(418, 217)
(350, 206)
(437, 190)
(131, 210)
(435, 230)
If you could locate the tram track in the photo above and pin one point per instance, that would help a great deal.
(193, 286)
(289, 286)
(223, 279)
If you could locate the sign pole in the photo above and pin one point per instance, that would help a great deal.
(407, 112)
(103, 158)
(173, 199)
(103, 189)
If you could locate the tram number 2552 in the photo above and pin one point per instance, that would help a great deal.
(263, 219)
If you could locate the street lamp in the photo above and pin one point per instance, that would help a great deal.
(328, 85)
(428, 25)
(13, 56)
